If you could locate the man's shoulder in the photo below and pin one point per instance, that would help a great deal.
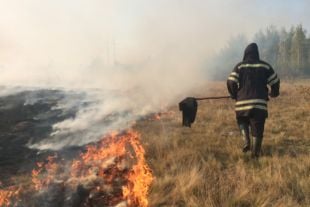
(237, 65)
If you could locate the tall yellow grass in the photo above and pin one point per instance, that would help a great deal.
(204, 165)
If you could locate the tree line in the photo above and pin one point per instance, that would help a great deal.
(288, 51)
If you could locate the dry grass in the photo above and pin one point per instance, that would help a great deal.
(204, 166)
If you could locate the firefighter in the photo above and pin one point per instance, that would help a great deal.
(248, 85)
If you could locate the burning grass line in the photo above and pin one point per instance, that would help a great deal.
(109, 173)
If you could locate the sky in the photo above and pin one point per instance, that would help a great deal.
(56, 42)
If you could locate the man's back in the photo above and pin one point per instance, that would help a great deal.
(247, 84)
(253, 80)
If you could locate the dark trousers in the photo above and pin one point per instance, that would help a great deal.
(255, 125)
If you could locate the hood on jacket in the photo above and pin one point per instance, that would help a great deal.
(251, 53)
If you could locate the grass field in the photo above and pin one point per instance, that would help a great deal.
(204, 165)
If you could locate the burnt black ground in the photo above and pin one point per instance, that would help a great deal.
(27, 117)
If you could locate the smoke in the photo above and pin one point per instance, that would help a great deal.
(131, 58)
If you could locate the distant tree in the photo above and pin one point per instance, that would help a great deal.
(298, 51)
(307, 56)
(268, 42)
(283, 59)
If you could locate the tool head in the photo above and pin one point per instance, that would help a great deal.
(189, 109)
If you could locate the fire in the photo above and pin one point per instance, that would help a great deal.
(139, 179)
(7, 195)
(110, 173)
(157, 117)
(163, 114)
(50, 167)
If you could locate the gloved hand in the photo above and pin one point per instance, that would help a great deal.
(233, 96)
(273, 94)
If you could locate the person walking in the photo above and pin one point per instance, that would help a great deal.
(248, 85)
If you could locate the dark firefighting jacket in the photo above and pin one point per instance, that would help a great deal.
(248, 84)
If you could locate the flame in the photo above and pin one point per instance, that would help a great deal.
(50, 167)
(7, 195)
(115, 169)
(163, 114)
(139, 179)
(157, 117)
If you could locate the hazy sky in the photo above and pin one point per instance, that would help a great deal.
(54, 38)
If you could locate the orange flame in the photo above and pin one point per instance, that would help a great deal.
(118, 158)
(163, 114)
(50, 167)
(157, 117)
(7, 195)
(140, 178)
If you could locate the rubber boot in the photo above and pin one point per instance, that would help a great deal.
(246, 138)
(257, 146)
